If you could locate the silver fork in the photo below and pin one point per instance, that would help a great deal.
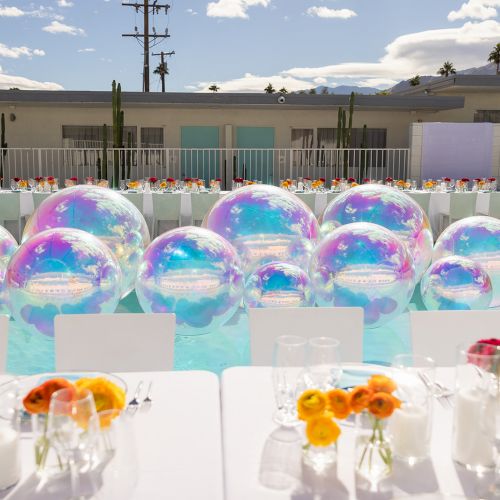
(147, 401)
(134, 403)
(442, 393)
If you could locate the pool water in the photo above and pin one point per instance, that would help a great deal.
(229, 346)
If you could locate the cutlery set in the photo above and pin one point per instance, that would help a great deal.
(136, 403)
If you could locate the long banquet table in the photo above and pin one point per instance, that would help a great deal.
(178, 440)
(247, 408)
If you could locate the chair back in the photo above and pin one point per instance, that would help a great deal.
(437, 333)
(330, 197)
(4, 331)
(494, 205)
(137, 199)
(423, 199)
(309, 199)
(10, 206)
(201, 203)
(462, 205)
(114, 342)
(167, 206)
(38, 198)
(343, 323)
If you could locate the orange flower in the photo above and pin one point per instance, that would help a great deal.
(107, 395)
(311, 403)
(381, 383)
(338, 402)
(322, 431)
(38, 399)
(382, 405)
(360, 397)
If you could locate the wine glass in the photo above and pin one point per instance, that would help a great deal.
(122, 185)
(288, 364)
(323, 363)
(72, 429)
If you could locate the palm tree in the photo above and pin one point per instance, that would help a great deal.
(283, 90)
(495, 57)
(270, 89)
(312, 91)
(415, 81)
(325, 91)
(214, 88)
(447, 69)
(161, 68)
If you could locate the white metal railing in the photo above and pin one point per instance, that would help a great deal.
(266, 165)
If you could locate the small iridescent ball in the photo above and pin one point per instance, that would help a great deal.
(265, 224)
(477, 238)
(102, 212)
(363, 265)
(194, 273)
(456, 283)
(61, 271)
(279, 284)
(387, 207)
(8, 245)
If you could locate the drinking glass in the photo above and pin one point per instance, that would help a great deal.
(122, 185)
(323, 363)
(72, 429)
(13, 185)
(288, 364)
(411, 425)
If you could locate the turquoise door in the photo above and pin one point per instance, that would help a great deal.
(254, 160)
(196, 158)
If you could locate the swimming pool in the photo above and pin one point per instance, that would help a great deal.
(229, 346)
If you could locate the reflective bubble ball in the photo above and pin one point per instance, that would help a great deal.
(279, 284)
(194, 273)
(387, 207)
(61, 271)
(456, 283)
(363, 265)
(102, 212)
(8, 245)
(477, 238)
(265, 224)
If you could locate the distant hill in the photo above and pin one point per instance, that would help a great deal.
(344, 90)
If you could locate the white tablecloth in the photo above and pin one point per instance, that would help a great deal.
(247, 408)
(178, 440)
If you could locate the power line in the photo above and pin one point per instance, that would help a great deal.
(147, 39)
(163, 67)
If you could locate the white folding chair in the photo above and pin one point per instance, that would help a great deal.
(137, 199)
(166, 208)
(201, 203)
(437, 333)
(114, 342)
(309, 199)
(462, 205)
(4, 330)
(38, 198)
(10, 210)
(330, 197)
(423, 199)
(342, 323)
(494, 205)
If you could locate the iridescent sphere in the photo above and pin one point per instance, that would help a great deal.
(265, 224)
(279, 284)
(8, 245)
(363, 265)
(387, 207)
(102, 212)
(456, 283)
(477, 238)
(61, 271)
(194, 273)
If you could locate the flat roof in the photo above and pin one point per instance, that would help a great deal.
(216, 100)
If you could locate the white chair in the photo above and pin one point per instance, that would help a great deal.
(38, 198)
(10, 210)
(201, 203)
(494, 205)
(438, 333)
(114, 342)
(423, 199)
(137, 199)
(462, 205)
(309, 199)
(4, 330)
(342, 323)
(166, 208)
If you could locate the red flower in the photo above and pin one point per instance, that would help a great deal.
(477, 180)
(38, 179)
(322, 179)
(50, 178)
(188, 179)
(366, 181)
(238, 180)
(491, 179)
(153, 180)
(307, 178)
(17, 179)
(218, 180)
(446, 179)
(74, 179)
(485, 348)
(389, 179)
(170, 179)
(351, 179)
(89, 178)
(465, 179)
(338, 179)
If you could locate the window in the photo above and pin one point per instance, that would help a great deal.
(151, 137)
(491, 116)
(376, 138)
(90, 136)
(302, 138)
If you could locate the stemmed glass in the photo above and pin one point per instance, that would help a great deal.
(323, 363)
(72, 429)
(122, 185)
(288, 364)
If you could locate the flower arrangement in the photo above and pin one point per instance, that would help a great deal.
(335, 182)
(491, 179)
(51, 180)
(486, 348)
(163, 185)
(446, 179)
(400, 184)
(367, 181)
(89, 180)
(103, 183)
(286, 184)
(133, 184)
(153, 180)
(389, 180)
(22, 184)
(351, 180)
(428, 185)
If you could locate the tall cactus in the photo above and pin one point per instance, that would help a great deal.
(3, 147)
(104, 163)
(344, 133)
(129, 154)
(364, 142)
(118, 119)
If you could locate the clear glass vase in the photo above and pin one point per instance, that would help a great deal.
(320, 458)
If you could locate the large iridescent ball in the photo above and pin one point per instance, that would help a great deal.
(8, 245)
(387, 207)
(279, 284)
(265, 224)
(477, 238)
(61, 271)
(363, 265)
(456, 283)
(102, 212)
(194, 273)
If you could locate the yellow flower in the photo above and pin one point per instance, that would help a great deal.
(107, 395)
(381, 383)
(311, 403)
(322, 431)
(354, 184)
(163, 184)
(428, 184)
(106, 417)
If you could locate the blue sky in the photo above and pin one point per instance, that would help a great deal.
(243, 44)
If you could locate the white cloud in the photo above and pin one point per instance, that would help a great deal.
(55, 27)
(233, 8)
(17, 52)
(327, 13)
(86, 50)
(10, 12)
(377, 82)
(20, 82)
(320, 80)
(65, 3)
(475, 9)
(192, 12)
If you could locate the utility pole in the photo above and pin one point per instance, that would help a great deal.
(147, 39)
(163, 67)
